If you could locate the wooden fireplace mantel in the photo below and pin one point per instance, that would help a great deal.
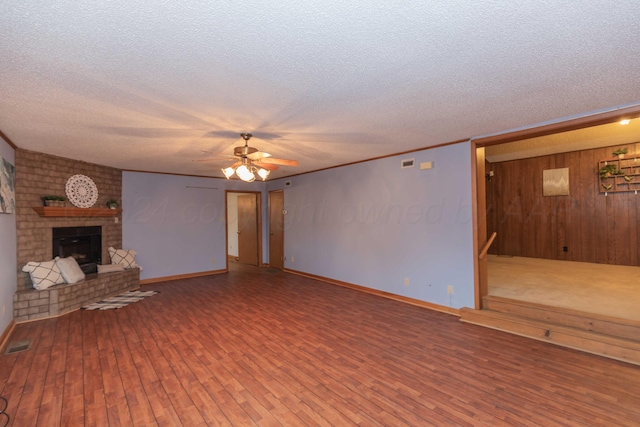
(52, 211)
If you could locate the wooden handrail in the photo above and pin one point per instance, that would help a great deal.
(485, 248)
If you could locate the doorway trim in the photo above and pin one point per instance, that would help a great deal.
(479, 183)
(258, 195)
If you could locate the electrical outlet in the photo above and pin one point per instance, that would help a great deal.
(292, 259)
(213, 260)
(115, 220)
(450, 290)
(406, 281)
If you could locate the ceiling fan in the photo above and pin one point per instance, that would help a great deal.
(252, 162)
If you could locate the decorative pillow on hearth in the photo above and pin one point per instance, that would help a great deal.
(43, 274)
(108, 268)
(126, 257)
(70, 269)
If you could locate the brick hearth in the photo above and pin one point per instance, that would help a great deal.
(60, 299)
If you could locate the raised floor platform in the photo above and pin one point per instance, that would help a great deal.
(609, 290)
(35, 304)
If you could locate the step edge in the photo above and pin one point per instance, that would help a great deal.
(583, 333)
(562, 310)
(608, 356)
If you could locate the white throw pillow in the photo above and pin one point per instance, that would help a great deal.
(70, 269)
(108, 268)
(43, 274)
(126, 257)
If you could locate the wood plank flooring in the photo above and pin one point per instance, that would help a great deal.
(262, 347)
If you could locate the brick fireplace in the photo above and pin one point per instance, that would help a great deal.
(39, 174)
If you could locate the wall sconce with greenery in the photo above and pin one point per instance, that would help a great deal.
(608, 170)
(620, 152)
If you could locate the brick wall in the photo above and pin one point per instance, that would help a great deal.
(38, 175)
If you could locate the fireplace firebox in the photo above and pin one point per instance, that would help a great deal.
(82, 243)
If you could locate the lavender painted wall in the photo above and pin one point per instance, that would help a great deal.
(176, 223)
(374, 224)
(8, 259)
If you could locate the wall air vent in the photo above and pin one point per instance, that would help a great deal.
(407, 163)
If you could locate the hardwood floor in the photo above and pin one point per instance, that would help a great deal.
(262, 347)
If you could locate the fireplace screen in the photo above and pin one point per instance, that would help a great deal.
(82, 243)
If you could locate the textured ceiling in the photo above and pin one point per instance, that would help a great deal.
(612, 134)
(150, 85)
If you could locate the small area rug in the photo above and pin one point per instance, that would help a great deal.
(119, 301)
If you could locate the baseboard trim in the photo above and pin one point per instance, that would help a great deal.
(182, 276)
(4, 338)
(412, 301)
(52, 317)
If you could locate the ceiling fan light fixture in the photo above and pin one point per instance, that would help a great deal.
(228, 172)
(252, 162)
(263, 173)
(245, 174)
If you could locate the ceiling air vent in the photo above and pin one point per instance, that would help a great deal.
(408, 163)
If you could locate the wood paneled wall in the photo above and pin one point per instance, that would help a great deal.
(593, 227)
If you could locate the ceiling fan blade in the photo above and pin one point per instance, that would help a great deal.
(230, 134)
(227, 134)
(216, 153)
(218, 158)
(266, 166)
(267, 136)
(281, 162)
(258, 155)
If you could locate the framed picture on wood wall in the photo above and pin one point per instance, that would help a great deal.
(555, 182)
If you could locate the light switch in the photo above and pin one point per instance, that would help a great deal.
(426, 165)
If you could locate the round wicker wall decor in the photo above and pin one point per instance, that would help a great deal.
(81, 191)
